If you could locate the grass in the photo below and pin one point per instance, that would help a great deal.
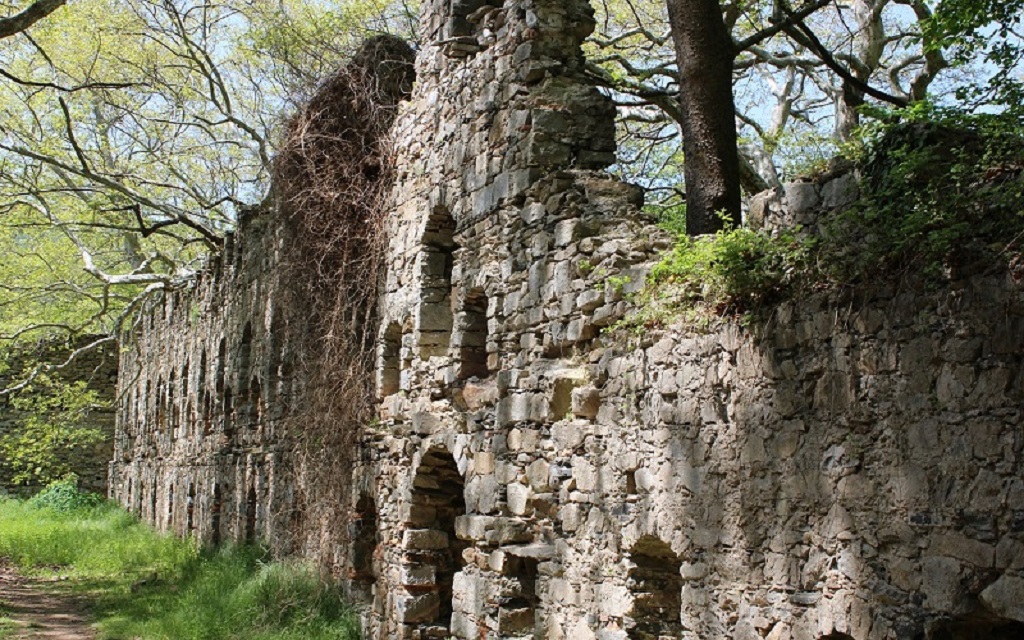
(141, 584)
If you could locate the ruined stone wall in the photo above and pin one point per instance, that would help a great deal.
(850, 468)
(98, 369)
(207, 383)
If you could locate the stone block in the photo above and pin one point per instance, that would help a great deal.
(473, 527)
(586, 402)
(1005, 597)
(424, 539)
(421, 576)
(410, 608)
(538, 474)
(518, 496)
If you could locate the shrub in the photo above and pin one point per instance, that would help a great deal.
(64, 496)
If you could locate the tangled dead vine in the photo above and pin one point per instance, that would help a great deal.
(331, 183)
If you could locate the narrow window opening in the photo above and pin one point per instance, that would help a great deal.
(458, 25)
(190, 505)
(389, 368)
(471, 336)
(219, 380)
(656, 586)
(170, 508)
(215, 508)
(229, 410)
(631, 483)
(518, 613)
(172, 404)
(187, 419)
(161, 408)
(364, 544)
(255, 400)
(274, 338)
(250, 516)
(434, 553)
(434, 322)
(245, 357)
(202, 396)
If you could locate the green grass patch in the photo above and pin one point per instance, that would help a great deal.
(141, 584)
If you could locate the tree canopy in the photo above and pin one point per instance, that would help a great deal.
(133, 133)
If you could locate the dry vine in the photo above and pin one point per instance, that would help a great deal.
(332, 180)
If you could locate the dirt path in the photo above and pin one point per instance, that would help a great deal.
(38, 614)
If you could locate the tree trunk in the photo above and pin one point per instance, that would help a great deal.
(705, 54)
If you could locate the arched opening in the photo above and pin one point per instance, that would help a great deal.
(437, 263)
(656, 586)
(434, 553)
(471, 336)
(363, 533)
(979, 625)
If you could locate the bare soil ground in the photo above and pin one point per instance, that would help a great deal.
(39, 614)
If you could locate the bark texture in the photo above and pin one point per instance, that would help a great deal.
(711, 164)
(34, 13)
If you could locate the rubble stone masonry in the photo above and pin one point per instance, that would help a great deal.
(849, 468)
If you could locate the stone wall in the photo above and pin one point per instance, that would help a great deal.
(206, 387)
(850, 468)
(98, 369)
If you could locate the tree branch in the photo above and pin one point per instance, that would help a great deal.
(779, 25)
(803, 34)
(20, 21)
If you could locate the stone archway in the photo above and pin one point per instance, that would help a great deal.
(656, 586)
(433, 554)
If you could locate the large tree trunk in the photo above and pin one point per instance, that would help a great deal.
(704, 52)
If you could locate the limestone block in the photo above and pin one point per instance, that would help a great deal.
(956, 545)
(473, 527)
(584, 474)
(1005, 597)
(840, 191)
(586, 402)
(515, 620)
(417, 608)
(510, 530)
(483, 463)
(424, 539)
(589, 300)
(518, 498)
(801, 197)
(469, 593)
(539, 475)
(940, 583)
(419, 576)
